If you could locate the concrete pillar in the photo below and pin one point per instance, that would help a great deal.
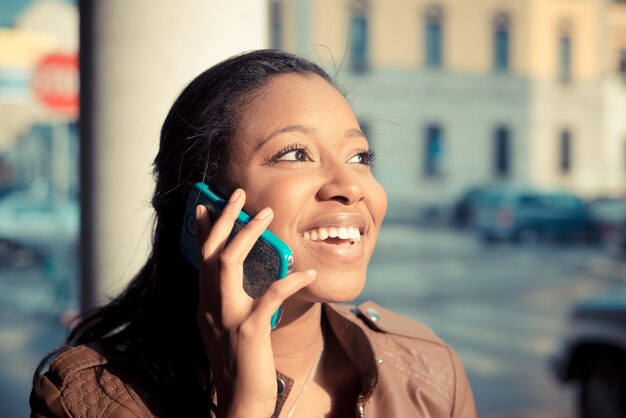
(136, 56)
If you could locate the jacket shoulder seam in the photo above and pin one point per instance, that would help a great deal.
(455, 378)
(390, 322)
(73, 360)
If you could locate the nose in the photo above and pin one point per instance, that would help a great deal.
(343, 185)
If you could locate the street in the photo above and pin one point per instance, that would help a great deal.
(501, 307)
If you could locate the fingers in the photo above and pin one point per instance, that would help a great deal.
(280, 291)
(237, 249)
(203, 224)
(221, 265)
(231, 259)
(214, 238)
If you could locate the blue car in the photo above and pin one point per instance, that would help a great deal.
(528, 216)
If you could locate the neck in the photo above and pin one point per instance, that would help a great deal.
(298, 340)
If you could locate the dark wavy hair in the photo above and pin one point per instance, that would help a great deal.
(149, 332)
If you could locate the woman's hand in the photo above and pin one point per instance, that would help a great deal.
(236, 328)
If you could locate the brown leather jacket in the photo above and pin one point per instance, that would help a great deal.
(406, 371)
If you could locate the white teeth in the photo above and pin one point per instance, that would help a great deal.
(341, 232)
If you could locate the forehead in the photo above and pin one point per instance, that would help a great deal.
(294, 99)
(286, 102)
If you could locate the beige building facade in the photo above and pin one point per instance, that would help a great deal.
(455, 93)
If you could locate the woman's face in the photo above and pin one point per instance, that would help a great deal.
(300, 151)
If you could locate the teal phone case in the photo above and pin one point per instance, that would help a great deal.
(269, 260)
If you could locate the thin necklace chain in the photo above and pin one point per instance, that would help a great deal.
(306, 382)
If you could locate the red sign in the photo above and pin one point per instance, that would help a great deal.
(55, 82)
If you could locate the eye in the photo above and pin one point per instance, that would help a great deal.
(293, 153)
(365, 157)
(298, 155)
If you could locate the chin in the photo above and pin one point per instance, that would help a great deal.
(332, 288)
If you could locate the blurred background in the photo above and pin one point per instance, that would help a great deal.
(500, 131)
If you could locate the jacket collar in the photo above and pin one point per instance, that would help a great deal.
(346, 324)
(350, 331)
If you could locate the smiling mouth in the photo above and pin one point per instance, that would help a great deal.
(333, 235)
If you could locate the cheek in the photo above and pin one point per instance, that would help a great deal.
(285, 194)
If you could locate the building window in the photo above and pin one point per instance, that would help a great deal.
(276, 25)
(433, 37)
(358, 43)
(565, 59)
(622, 63)
(433, 151)
(565, 163)
(502, 152)
(501, 42)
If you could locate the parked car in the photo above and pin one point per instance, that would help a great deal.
(31, 225)
(619, 244)
(609, 213)
(593, 355)
(528, 216)
(465, 208)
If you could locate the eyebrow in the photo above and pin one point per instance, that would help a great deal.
(350, 133)
(355, 133)
(287, 129)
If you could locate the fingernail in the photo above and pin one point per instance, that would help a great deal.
(199, 211)
(235, 196)
(311, 273)
(264, 213)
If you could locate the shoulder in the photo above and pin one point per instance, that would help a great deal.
(378, 321)
(78, 383)
(399, 339)
(410, 355)
(73, 362)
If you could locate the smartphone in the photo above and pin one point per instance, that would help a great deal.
(269, 260)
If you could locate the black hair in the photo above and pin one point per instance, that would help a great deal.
(149, 332)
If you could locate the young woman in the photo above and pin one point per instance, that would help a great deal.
(270, 131)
